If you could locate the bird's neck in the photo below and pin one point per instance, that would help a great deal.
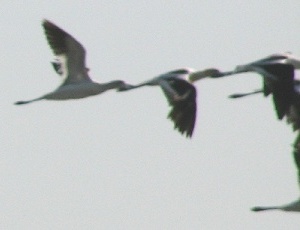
(112, 85)
(195, 76)
(198, 75)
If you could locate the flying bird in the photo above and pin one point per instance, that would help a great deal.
(180, 92)
(281, 83)
(70, 64)
(278, 80)
(286, 96)
(258, 66)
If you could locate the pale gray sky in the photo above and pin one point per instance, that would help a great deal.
(114, 161)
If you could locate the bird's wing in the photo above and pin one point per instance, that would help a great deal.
(282, 89)
(170, 93)
(293, 115)
(63, 44)
(277, 79)
(273, 58)
(181, 96)
(296, 155)
(268, 78)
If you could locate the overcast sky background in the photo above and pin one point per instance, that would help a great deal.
(114, 161)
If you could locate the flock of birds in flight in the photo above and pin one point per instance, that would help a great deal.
(277, 71)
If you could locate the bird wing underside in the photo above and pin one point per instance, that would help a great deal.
(282, 87)
(182, 98)
(63, 44)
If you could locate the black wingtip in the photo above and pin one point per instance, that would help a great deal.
(184, 120)
(46, 21)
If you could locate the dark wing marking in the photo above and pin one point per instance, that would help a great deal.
(57, 66)
(282, 88)
(183, 112)
(56, 38)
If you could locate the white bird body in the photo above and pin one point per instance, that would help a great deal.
(77, 91)
(70, 64)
